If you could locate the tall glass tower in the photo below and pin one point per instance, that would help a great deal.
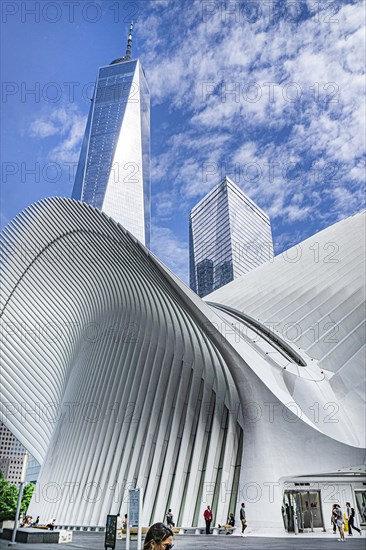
(113, 173)
(229, 235)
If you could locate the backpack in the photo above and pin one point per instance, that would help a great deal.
(352, 512)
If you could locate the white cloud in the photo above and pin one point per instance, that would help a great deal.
(66, 124)
(164, 205)
(347, 201)
(43, 128)
(319, 60)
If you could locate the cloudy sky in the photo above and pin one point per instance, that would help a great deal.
(270, 93)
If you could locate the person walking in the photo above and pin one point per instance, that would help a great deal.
(333, 518)
(340, 523)
(350, 513)
(207, 514)
(169, 519)
(243, 519)
(122, 524)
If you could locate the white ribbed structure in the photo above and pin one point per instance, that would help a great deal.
(141, 390)
(129, 378)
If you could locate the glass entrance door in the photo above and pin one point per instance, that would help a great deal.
(361, 507)
(311, 509)
(303, 506)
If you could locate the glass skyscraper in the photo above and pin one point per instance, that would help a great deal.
(113, 173)
(229, 235)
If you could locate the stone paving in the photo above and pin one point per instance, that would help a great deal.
(95, 541)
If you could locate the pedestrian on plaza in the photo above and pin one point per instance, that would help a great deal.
(207, 514)
(159, 537)
(340, 523)
(333, 518)
(24, 521)
(243, 519)
(51, 526)
(33, 523)
(122, 524)
(169, 519)
(350, 513)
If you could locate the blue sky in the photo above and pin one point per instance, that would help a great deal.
(271, 93)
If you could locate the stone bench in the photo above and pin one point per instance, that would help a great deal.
(121, 533)
(32, 536)
(221, 530)
(190, 530)
(134, 530)
(89, 528)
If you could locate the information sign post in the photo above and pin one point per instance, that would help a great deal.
(110, 532)
(134, 516)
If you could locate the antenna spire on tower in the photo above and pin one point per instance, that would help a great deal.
(129, 43)
(127, 57)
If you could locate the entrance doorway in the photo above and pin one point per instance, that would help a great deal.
(303, 507)
(360, 497)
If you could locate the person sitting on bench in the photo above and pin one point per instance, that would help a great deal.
(52, 525)
(229, 525)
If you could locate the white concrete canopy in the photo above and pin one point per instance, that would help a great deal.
(115, 374)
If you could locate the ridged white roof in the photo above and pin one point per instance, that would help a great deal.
(313, 296)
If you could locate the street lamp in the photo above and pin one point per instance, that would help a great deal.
(20, 494)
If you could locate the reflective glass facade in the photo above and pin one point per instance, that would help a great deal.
(229, 235)
(114, 167)
(11, 455)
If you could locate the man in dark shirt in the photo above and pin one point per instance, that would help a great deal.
(350, 517)
(243, 519)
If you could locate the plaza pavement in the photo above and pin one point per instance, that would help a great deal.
(326, 541)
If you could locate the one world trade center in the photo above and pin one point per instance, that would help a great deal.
(113, 173)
